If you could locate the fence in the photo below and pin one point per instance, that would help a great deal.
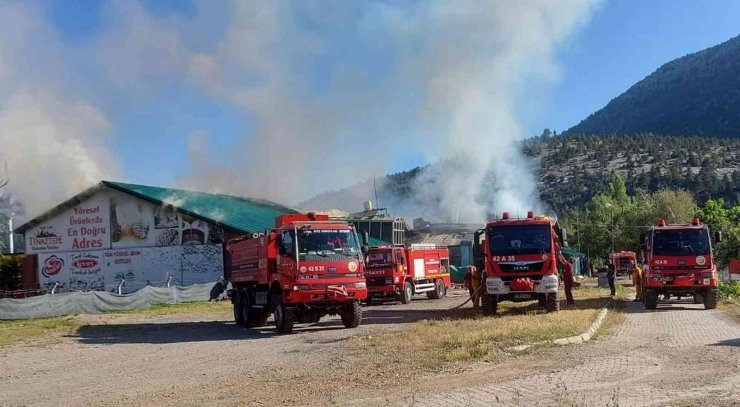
(96, 302)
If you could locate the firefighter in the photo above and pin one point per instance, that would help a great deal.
(611, 275)
(637, 282)
(567, 278)
(473, 282)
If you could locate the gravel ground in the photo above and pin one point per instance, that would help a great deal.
(677, 355)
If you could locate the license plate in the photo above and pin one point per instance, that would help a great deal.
(684, 281)
(521, 296)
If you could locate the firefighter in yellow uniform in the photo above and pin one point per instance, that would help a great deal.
(637, 282)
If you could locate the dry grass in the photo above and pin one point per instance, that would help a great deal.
(466, 335)
(731, 307)
(31, 330)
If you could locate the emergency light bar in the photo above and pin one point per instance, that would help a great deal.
(695, 221)
(661, 222)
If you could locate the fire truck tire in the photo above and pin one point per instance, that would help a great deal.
(541, 300)
(248, 314)
(352, 315)
(284, 317)
(651, 299)
(237, 303)
(438, 292)
(490, 304)
(710, 298)
(551, 302)
(408, 291)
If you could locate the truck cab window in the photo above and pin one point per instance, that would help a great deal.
(288, 245)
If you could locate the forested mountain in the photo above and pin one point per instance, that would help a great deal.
(572, 169)
(698, 94)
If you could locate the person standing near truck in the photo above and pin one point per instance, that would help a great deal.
(611, 275)
(637, 282)
(473, 282)
(567, 278)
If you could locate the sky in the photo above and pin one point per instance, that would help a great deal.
(231, 96)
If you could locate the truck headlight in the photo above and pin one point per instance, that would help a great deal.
(301, 287)
(361, 285)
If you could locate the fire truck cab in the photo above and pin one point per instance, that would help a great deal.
(519, 261)
(678, 260)
(399, 272)
(304, 268)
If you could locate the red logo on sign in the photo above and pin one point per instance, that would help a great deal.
(85, 263)
(52, 266)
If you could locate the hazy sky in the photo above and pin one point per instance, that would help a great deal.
(154, 91)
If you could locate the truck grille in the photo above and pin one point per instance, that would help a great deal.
(375, 281)
(521, 267)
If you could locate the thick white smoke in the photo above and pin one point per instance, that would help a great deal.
(461, 68)
(332, 93)
(54, 144)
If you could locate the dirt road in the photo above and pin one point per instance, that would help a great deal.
(682, 355)
(679, 354)
(179, 360)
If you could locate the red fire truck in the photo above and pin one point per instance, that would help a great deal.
(519, 261)
(624, 262)
(399, 272)
(678, 261)
(304, 268)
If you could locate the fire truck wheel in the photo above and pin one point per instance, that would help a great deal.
(490, 304)
(237, 303)
(551, 302)
(651, 299)
(248, 314)
(352, 315)
(710, 298)
(541, 300)
(284, 317)
(439, 290)
(408, 291)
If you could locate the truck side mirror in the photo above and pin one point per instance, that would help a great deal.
(365, 248)
(718, 236)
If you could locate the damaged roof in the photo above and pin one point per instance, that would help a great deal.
(239, 214)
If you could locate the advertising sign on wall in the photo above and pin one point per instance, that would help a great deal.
(104, 269)
(82, 227)
(115, 220)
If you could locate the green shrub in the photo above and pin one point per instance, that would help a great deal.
(11, 271)
(729, 290)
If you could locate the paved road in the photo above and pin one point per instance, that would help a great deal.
(679, 354)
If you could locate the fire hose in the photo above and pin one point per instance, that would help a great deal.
(469, 298)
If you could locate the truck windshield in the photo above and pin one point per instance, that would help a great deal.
(520, 239)
(625, 262)
(379, 258)
(323, 242)
(681, 242)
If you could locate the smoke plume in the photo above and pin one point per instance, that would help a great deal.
(331, 93)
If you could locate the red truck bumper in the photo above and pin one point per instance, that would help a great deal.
(324, 296)
(383, 290)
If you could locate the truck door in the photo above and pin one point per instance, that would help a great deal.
(400, 259)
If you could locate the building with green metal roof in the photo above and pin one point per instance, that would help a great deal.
(116, 235)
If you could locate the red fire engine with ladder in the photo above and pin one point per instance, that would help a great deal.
(678, 260)
(304, 268)
(399, 272)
